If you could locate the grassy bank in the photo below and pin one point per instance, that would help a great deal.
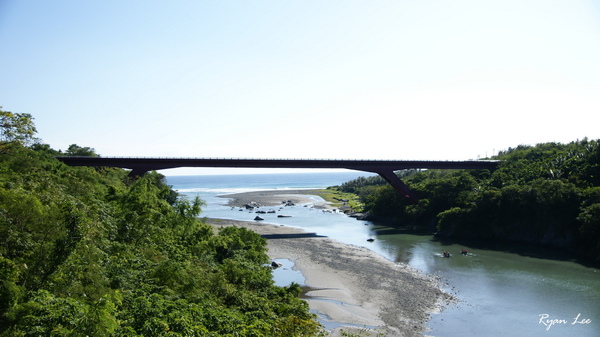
(347, 202)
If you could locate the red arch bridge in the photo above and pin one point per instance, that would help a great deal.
(385, 168)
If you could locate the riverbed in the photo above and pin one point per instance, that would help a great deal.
(501, 292)
(494, 287)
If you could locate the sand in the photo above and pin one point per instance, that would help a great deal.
(275, 198)
(352, 284)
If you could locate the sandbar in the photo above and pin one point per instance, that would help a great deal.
(271, 198)
(352, 284)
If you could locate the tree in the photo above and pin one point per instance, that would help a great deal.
(16, 128)
(76, 150)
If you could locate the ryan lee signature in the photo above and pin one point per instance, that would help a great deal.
(549, 322)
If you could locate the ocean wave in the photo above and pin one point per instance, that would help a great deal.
(234, 190)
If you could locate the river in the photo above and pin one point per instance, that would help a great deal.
(503, 291)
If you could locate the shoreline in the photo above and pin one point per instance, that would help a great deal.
(351, 284)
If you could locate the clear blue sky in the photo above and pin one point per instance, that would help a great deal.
(303, 79)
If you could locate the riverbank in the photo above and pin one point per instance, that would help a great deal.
(352, 284)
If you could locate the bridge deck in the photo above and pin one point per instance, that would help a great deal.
(149, 164)
(384, 168)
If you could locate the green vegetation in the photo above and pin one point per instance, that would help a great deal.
(89, 252)
(15, 128)
(344, 201)
(548, 194)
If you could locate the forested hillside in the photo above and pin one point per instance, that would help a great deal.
(90, 252)
(548, 194)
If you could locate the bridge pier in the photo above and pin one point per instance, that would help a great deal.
(134, 173)
(398, 185)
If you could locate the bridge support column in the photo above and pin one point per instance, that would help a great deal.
(136, 173)
(398, 185)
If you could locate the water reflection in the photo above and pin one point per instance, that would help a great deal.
(500, 285)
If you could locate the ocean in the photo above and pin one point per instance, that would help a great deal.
(210, 188)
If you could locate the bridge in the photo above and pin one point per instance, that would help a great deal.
(385, 168)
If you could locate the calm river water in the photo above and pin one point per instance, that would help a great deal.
(501, 292)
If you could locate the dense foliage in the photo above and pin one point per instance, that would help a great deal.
(546, 194)
(16, 128)
(89, 252)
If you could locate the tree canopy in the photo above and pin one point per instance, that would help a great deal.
(16, 128)
(76, 150)
(90, 252)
